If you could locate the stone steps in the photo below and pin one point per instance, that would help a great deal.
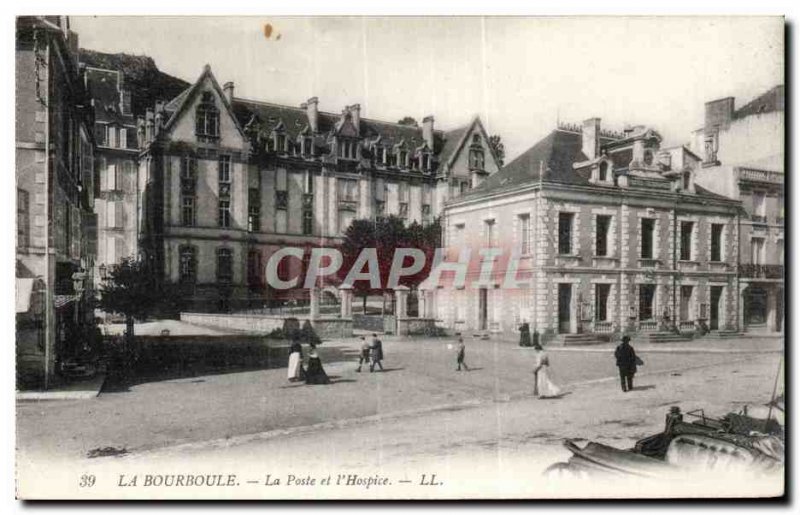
(665, 337)
(569, 340)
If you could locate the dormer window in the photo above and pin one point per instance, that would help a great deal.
(603, 172)
(648, 157)
(307, 146)
(402, 159)
(476, 157)
(711, 148)
(348, 149)
(426, 161)
(687, 181)
(280, 142)
(207, 117)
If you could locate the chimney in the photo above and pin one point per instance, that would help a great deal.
(355, 114)
(719, 113)
(228, 90)
(427, 130)
(591, 138)
(313, 113)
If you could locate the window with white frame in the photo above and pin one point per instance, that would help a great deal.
(488, 232)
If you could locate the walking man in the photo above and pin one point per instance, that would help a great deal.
(376, 353)
(363, 357)
(460, 351)
(626, 362)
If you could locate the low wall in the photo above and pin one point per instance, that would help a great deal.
(411, 326)
(325, 327)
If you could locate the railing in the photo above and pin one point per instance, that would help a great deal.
(759, 219)
(753, 174)
(648, 325)
(761, 271)
(603, 326)
(686, 325)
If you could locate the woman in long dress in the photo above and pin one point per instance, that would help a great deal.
(315, 374)
(296, 372)
(543, 387)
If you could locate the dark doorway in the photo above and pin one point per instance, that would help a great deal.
(647, 294)
(564, 307)
(483, 309)
(755, 307)
(716, 295)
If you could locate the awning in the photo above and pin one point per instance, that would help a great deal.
(24, 290)
(62, 300)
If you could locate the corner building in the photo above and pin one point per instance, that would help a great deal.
(613, 235)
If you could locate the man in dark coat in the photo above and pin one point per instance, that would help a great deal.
(376, 353)
(626, 362)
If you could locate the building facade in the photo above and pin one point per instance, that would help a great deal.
(116, 167)
(597, 232)
(56, 225)
(225, 182)
(743, 158)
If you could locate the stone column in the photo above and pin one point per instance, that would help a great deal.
(742, 304)
(314, 303)
(575, 308)
(401, 296)
(426, 304)
(346, 297)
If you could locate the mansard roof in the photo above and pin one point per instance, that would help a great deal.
(264, 117)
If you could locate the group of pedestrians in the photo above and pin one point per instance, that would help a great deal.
(371, 353)
(314, 374)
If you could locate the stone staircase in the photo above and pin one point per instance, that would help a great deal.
(573, 340)
(666, 337)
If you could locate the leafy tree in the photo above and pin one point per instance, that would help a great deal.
(498, 148)
(407, 120)
(130, 290)
(386, 235)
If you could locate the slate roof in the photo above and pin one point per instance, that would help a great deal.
(772, 100)
(103, 88)
(554, 155)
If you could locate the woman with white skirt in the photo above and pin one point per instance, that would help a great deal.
(543, 387)
(296, 372)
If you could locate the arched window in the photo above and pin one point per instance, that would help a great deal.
(207, 117)
(188, 264)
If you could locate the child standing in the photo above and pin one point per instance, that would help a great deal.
(461, 350)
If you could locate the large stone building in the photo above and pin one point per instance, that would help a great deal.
(225, 182)
(743, 158)
(612, 234)
(56, 225)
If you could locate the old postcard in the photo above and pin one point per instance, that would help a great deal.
(399, 257)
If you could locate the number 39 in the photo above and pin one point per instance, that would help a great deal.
(87, 481)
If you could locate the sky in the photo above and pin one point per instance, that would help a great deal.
(520, 74)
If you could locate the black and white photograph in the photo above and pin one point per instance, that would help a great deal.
(399, 257)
